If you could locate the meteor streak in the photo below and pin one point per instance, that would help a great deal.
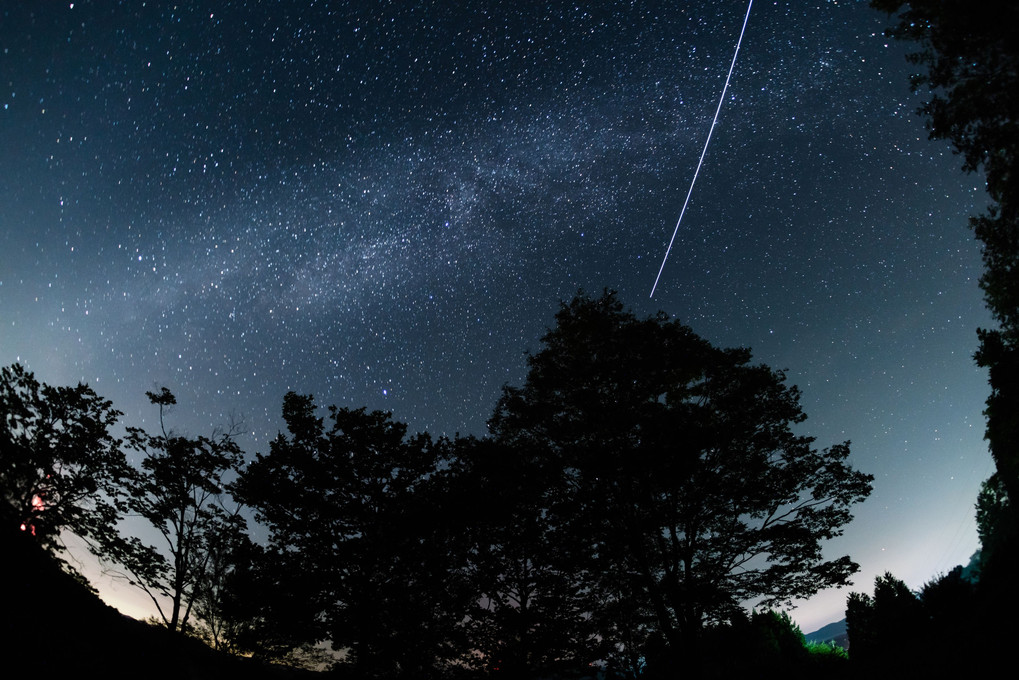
(705, 151)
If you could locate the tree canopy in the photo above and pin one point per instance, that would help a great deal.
(60, 467)
(970, 65)
(179, 491)
(345, 518)
(534, 601)
(640, 486)
(678, 464)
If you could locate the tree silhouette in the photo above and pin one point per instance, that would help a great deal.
(940, 631)
(677, 466)
(533, 612)
(970, 62)
(60, 468)
(347, 513)
(993, 526)
(884, 626)
(225, 547)
(179, 491)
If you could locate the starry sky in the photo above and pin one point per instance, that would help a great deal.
(383, 203)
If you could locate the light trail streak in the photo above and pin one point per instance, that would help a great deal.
(704, 151)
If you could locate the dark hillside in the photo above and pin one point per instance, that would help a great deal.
(54, 627)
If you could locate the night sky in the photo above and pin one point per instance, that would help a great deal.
(383, 203)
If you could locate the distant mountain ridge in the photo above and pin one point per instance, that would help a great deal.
(833, 632)
(836, 632)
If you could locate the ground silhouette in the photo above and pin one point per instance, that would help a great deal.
(51, 625)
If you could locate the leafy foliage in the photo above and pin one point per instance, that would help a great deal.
(534, 603)
(676, 464)
(994, 527)
(225, 547)
(970, 63)
(60, 468)
(879, 625)
(827, 649)
(263, 609)
(943, 619)
(179, 491)
(640, 486)
(969, 60)
(767, 644)
(346, 512)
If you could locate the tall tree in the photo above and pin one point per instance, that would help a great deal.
(970, 61)
(347, 511)
(533, 613)
(880, 627)
(679, 468)
(180, 493)
(993, 526)
(940, 631)
(60, 467)
(224, 547)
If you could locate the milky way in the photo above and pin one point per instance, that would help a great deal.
(382, 204)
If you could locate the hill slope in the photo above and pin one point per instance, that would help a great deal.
(51, 626)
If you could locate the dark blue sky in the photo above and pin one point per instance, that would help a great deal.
(382, 204)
